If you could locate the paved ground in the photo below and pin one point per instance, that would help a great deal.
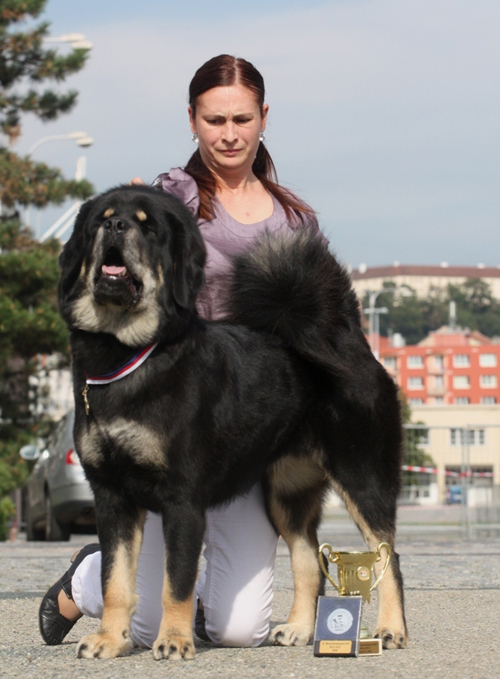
(452, 592)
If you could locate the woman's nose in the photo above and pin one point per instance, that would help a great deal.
(229, 132)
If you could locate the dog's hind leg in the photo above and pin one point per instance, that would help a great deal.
(183, 527)
(295, 489)
(120, 545)
(375, 515)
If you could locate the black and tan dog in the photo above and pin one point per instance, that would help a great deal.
(286, 392)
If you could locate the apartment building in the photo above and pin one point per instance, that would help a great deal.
(450, 366)
(452, 382)
(422, 278)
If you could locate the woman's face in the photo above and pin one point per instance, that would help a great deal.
(228, 123)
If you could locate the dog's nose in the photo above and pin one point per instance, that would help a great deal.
(116, 224)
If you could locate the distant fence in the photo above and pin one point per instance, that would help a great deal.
(455, 466)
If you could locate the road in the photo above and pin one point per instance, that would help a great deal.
(452, 602)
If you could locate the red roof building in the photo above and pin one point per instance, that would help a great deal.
(450, 366)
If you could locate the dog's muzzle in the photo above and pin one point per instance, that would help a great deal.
(115, 281)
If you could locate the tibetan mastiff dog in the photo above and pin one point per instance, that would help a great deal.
(285, 391)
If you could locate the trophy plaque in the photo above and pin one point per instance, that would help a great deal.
(332, 637)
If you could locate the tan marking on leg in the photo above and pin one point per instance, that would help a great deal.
(391, 625)
(113, 636)
(299, 628)
(175, 637)
(293, 474)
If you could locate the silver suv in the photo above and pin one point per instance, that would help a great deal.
(57, 496)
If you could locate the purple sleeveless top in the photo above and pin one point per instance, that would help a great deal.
(224, 236)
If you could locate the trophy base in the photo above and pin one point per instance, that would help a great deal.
(337, 626)
(370, 647)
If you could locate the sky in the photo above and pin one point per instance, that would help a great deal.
(384, 114)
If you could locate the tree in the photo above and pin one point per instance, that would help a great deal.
(29, 322)
(477, 309)
(412, 454)
(415, 317)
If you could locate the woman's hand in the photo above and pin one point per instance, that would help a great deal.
(136, 180)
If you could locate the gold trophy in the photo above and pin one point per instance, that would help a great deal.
(355, 575)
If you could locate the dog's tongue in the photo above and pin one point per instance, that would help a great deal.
(113, 270)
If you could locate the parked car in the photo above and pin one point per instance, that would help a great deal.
(454, 495)
(57, 496)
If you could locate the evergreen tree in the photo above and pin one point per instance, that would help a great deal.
(29, 322)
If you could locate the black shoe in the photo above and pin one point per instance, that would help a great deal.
(199, 624)
(54, 626)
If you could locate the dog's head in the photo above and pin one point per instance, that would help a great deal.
(132, 267)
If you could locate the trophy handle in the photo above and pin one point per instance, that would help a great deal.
(332, 558)
(379, 556)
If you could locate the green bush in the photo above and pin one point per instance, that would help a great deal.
(7, 510)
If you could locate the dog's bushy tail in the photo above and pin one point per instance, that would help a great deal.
(293, 287)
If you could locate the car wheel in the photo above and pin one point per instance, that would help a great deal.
(54, 531)
(32, 533)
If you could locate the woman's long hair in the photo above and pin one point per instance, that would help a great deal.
(226, 70)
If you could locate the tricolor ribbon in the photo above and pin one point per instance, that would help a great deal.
(125, 370)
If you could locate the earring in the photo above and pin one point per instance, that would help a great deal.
(195, 137)
(262, 136)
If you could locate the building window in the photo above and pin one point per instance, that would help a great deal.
(462, 400)
(461, 360)
(439, 381)
(476, 437)
(488, 381)
(438, 362)
(415, 383)
(439, 400)
(416, 401)
(415, 361)
(488, 400)
(390, 362)
(461, 382)
(487, 360)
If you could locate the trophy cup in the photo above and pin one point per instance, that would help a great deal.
(339, 630)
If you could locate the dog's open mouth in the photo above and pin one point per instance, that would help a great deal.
(115, 283)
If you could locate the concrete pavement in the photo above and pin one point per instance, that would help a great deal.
(453, 602)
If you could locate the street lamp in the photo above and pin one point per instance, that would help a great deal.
(80, 138)
(76, 40)
(374, 316)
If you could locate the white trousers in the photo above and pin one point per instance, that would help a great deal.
(235, 588)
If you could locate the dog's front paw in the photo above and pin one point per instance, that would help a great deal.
(291, 634)
(102, 646)
(392, 638)
(174, 647)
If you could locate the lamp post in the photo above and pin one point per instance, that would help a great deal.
(81, 139)
(76, 40)
(374, 313)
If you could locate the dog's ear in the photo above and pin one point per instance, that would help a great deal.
(72, 255)
(189, 255)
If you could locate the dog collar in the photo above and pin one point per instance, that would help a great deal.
(125, 370)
